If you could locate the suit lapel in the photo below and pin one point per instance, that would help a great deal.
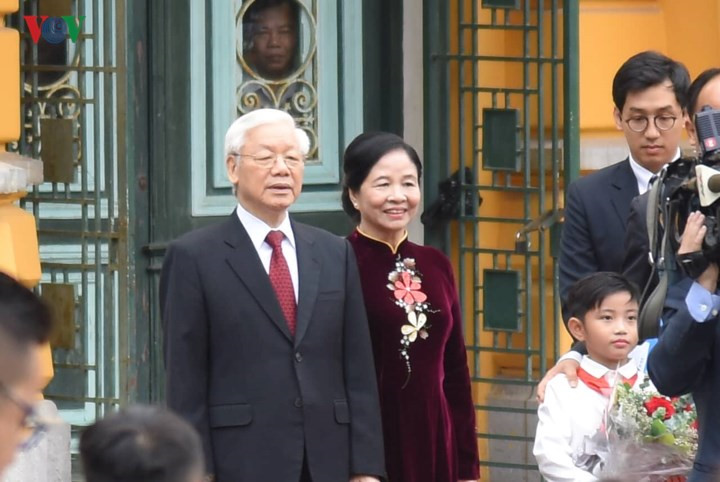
(245, 262)
(308, 278)
(624, 184)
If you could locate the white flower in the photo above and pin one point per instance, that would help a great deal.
(415, 327)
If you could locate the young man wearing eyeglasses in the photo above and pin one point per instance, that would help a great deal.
(650, 96)
(24, 325)
(703, 91)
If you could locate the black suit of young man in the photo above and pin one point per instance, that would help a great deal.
(596, 213)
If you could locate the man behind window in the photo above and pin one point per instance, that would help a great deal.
(271, 37)
(24, 326)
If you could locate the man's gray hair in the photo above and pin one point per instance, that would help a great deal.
(235, 136)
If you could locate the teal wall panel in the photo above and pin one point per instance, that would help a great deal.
(331, 38)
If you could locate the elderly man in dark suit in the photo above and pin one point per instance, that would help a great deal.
(266, 340)
(650, 96)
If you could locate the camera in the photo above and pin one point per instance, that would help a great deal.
(693, 184)
(686, 185)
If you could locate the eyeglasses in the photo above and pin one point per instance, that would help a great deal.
(268, 160)
(662, 122)
(35, 419)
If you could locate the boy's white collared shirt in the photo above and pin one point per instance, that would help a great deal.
(567, 416)
(628, 370)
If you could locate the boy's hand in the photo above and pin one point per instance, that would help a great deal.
(568, 367)
(691, 242)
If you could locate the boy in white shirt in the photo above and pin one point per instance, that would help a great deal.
(602, 310)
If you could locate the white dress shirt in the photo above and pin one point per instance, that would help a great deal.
(258, 230)
(567, 416)
(642, 175)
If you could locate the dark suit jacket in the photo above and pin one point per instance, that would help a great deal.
(596, 211)
(636, 265)
(261, 399)
(687, 359)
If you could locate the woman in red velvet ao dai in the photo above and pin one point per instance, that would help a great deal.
(414, 316)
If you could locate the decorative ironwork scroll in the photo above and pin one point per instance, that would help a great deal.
(73, 112)
(300, 56)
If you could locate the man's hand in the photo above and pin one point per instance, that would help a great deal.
(692, 237)
(364, 478)
(568, 367)
(691, 242)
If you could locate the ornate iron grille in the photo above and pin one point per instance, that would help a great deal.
(73, 118)
(507, 119)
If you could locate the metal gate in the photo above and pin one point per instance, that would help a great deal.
(73, 118)
(502, 103)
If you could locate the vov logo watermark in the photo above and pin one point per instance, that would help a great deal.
(54, 29)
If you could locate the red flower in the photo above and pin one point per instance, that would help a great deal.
(408, 290)
(694, 424)
(656, 402)
(689, 407)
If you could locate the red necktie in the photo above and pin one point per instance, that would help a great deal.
(601, 385)
(281, 280)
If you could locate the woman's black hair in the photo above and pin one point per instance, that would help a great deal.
(360, 157)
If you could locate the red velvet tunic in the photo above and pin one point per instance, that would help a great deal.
(429, 425)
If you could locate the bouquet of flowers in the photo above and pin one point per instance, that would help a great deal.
(647, 436)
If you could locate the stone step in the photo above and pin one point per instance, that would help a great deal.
(514, 424)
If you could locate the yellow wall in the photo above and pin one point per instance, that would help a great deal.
(10, 77)
(612, 31)
(19, 254)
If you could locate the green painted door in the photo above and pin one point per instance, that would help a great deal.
(201, 77)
